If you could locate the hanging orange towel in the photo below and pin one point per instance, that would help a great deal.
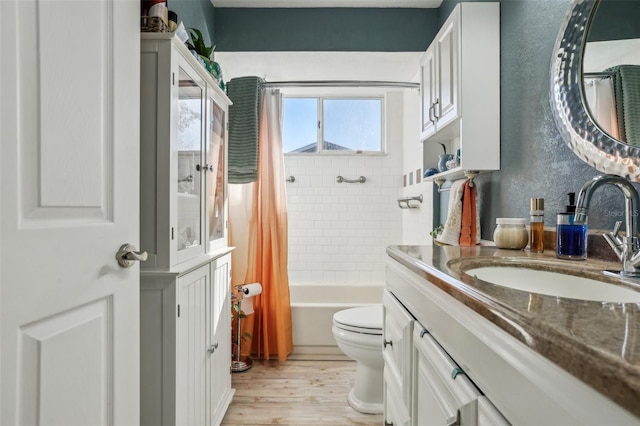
(468, 229)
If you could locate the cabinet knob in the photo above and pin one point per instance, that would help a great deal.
(213, 348)
(435, 116)
(388, 343)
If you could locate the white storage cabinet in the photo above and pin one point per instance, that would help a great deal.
(185, 300)
(460, 90)
(183, 199)
(185, 353)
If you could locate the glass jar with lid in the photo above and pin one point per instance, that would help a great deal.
(511, 233)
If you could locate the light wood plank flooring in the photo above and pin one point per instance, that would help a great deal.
(295, 393)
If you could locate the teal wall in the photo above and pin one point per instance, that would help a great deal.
(198, 14)
(329, 29)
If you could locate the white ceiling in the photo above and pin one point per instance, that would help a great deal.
(328, 3)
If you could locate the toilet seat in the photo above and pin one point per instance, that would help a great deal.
(365, 320)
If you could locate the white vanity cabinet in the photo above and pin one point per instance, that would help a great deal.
(423, 385)
(185, 352)
(183, 155)
(460, 89)
(468, 370)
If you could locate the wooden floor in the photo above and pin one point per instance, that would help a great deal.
(296, 393)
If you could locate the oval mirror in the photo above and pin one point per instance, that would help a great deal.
(590, 93)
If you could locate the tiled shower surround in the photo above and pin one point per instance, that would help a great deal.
(338, 232)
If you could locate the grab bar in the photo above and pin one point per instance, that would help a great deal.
(407, 202)
(341, 179)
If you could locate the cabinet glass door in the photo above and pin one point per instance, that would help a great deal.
(216, 185)
(189, 149)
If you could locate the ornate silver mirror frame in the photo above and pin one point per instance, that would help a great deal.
(585, 138)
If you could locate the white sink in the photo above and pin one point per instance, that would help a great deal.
(554, 284)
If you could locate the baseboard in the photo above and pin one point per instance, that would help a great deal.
(317, 353)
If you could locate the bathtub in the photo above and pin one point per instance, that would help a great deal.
(312, 309)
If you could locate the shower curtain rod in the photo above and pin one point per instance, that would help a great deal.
(341, 83)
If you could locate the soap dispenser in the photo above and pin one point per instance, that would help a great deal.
(571, 238)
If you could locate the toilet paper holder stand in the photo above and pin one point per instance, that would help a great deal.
(240, 363)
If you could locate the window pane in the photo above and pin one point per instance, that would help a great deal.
(300, 125)
(352, 124)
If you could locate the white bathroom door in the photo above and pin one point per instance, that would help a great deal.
(69, 191)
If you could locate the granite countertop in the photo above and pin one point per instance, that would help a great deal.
(597, 342)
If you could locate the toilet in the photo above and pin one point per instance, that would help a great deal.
(358, 333)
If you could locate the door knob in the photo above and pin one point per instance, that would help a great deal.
(213, 348)
(127, 255)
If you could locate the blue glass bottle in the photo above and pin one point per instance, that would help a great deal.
(571, 238)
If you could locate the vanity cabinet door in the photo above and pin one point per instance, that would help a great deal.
(397, 352)
(442, 393)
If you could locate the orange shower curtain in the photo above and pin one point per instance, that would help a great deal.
(258, 230)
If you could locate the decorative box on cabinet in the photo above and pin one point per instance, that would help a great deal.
(183, 155)
(185, 350)
(460, 90)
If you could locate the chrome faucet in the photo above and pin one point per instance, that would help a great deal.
(627, 247)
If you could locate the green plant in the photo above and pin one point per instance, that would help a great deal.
(197, 43)
(444, 148)
(438, 230)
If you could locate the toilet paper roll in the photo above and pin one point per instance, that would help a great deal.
(249, 290)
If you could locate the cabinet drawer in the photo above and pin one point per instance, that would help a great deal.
(441, 388)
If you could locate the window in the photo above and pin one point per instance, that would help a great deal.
(344, 125)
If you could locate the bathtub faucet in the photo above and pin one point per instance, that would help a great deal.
(627, 248)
